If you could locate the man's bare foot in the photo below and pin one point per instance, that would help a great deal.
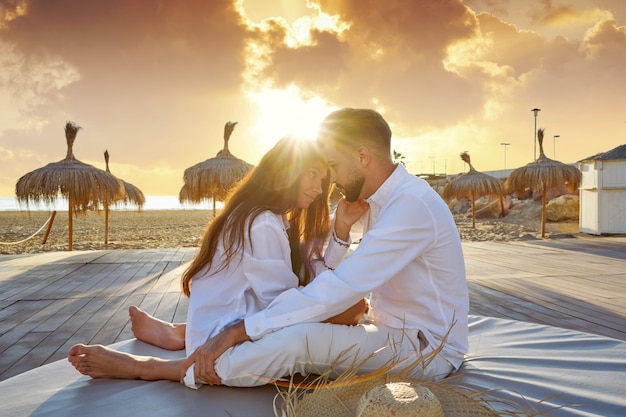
(157, 332)
(99, 361)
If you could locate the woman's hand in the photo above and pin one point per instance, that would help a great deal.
(346, 214)
(205, 356)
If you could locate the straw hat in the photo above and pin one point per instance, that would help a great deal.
(386, 395)
(400, 399)
(381, 393)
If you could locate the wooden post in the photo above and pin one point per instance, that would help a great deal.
(544, 213)
(473, 212)
(70, 223)
(106, 223)
(52, 216)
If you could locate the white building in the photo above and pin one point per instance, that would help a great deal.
(603, 193)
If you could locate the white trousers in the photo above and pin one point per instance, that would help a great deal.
(318, 348)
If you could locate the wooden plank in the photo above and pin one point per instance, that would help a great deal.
(50, 301)
(562, 303)
(117, 319)
(17, 358)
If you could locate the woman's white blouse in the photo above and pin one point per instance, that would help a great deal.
(251, 281)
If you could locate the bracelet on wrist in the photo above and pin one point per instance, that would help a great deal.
(340, 242)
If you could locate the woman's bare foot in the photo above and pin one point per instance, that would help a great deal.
(99, 361)
(157, 332)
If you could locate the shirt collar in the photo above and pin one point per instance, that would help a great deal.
(382, 194)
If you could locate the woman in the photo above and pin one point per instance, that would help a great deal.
(267, 239)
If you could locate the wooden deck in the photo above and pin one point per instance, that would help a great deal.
(52, 300)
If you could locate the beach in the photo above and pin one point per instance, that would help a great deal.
(146, 229)
(149, 229)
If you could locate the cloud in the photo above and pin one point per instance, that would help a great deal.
(392, 51)
(606, 42)
(154, 81)
(142, 77)
(32, 84)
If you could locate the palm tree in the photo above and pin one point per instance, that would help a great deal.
(399, 157)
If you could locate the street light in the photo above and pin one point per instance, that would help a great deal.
(554, 146)
(535, 110)
(505, 145)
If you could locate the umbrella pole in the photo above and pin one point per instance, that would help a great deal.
(502, 206)
(70, 223)
(52, 216)
(543, 212)
(213, 205)
(473, 212)
(106, 224)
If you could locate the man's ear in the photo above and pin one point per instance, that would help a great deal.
(364, 156)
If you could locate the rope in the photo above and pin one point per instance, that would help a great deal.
(29, 237)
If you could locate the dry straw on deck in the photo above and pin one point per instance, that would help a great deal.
(542, 174)
(473, 185)
(85, 186)
(340, 397)
(213, 178)
(132, 195)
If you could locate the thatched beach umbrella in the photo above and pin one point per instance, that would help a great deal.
(542, 174)
(473, 185)
(132, 195)
(84, 186)
(213, 178)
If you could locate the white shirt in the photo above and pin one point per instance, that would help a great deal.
(411, 260)
(248, 283)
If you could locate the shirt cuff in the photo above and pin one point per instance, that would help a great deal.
(254, 326)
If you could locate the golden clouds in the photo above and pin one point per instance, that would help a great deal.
(11, 10)
(606, 41)
(155, 80)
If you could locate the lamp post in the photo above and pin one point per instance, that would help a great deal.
(535, 110)
(505, 145)
(554, 146)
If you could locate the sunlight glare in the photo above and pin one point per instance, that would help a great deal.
(284, 112)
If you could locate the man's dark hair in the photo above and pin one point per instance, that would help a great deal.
(356, 127)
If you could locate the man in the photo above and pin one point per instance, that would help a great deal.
(409, 259)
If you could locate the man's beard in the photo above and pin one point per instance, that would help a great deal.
(352, 190)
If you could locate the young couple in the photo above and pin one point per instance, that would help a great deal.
(267, 301)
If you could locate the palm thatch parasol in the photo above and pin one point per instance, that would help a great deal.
(542, 174)
(473, 185)
(213, 178)
(132, 195)
(84, 186)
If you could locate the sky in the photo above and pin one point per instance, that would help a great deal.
(155, 81)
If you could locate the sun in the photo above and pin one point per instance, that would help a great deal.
(286, 112)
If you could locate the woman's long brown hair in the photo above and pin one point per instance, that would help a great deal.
(272, 185)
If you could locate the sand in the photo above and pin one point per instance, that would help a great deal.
(183, 228)
(127, 230)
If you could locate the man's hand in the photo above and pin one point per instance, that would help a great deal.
(353, 315)
(205, 356)
(346, 214)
